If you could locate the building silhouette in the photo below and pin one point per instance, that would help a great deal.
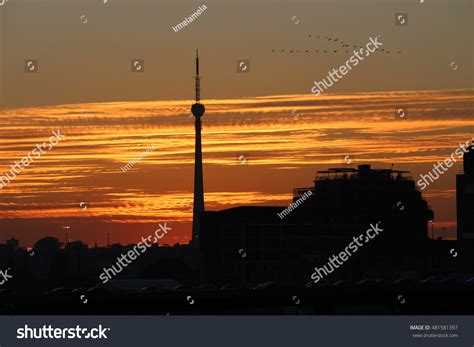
(465, 198)
(252, 244)
(13, 244)
(197, 110)
(465, 213)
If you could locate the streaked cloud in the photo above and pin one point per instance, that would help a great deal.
(284, 138)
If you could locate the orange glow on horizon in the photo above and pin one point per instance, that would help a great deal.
(284, 138)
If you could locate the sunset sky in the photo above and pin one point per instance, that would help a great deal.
(284, 139)
(108, 114)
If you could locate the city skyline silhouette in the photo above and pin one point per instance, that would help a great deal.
(248, 249)
(275, 256)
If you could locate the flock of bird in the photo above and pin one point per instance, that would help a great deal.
(344, 45)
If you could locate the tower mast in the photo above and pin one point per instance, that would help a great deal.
(197, 110)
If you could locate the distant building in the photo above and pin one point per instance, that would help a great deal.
(7, 251)
(465, 198)
(13, 244)
(255, 244)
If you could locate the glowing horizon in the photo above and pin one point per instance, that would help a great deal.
(284, 139)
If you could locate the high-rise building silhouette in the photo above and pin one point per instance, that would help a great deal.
(256, 244)
(465, 198)
(197, 110)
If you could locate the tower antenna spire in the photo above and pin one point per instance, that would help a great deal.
(198, 79)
